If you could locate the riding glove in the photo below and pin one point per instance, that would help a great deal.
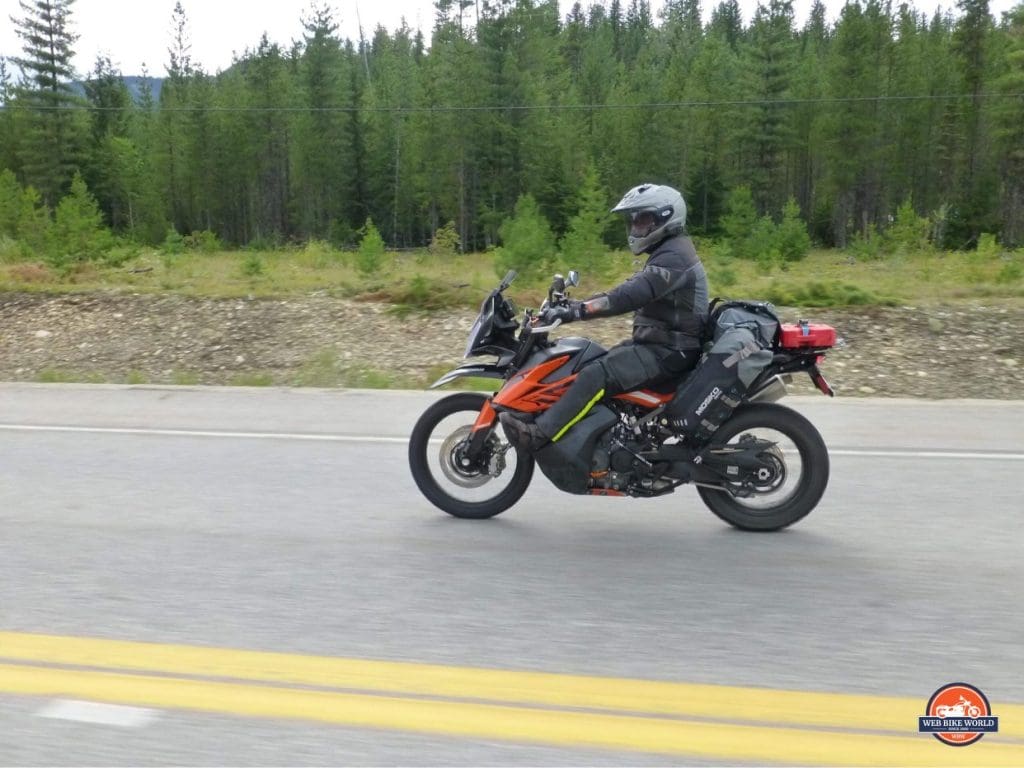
(567, 313)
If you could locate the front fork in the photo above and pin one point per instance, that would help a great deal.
(481, 430)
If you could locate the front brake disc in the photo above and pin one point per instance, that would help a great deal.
(456, 465)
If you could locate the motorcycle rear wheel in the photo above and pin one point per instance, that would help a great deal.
(464, 490)
(801, 453)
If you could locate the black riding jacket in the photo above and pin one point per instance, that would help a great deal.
(669, 295)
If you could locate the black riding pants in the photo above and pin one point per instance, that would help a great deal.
(627, 366)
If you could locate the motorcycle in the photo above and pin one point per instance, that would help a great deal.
(963, 708)
(765, 468)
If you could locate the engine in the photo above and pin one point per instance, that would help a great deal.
(618, 465)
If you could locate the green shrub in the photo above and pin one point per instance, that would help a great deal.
(739, 222)
(762, 244)
(263, 243)
(445, 241)
(939, 225)
(78, 232)
(185, 378)
(791, 238)
(317, 254)
(823, 294)
(370, 255)
(34, 224)
(866, 246)
(321, 370)
(527, 241)
(173, 243)
(10, 201)
(583, 246)
(120, 253)
(909, 233)
(988, 249)
(253, 379)
(9, 249)
(341, 234)
(205, 242)
(252, 266)
(723, 276)
(422, 294)
(1011, 272)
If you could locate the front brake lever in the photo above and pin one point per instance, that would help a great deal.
(545, 328)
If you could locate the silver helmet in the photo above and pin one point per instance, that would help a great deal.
(653, 212)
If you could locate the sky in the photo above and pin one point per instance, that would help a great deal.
(134, 33)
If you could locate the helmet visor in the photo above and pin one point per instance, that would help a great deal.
(641, 223)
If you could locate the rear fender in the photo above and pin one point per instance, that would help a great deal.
(772, 390)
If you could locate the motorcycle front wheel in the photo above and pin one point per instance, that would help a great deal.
(794, 480)
(468, 487)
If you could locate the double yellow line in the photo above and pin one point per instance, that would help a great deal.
(709, 721)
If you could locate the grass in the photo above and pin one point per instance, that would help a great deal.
(419, 281)
(328, 369)
(834, 279)
(60, 376)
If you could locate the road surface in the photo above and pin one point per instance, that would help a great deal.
(199, 576)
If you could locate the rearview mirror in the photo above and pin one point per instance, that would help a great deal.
(574, 278)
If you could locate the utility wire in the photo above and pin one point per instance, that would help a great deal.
(542, 107)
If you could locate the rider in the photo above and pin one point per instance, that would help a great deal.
(670, 299)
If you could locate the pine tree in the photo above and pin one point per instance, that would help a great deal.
(109, 119)
(583, 247)
(739, 222)
(527, 241)
(268, 89)
(727, 22)
(172, 150)
(79, 233)
(766, 130)
(807, 87)
(392, 87)
(10, 196)
(8, 128)
(851, 130)
(52, 137)
(324, 163)
(976, 204)
(450, 131)
(1009, 133)
(143, 192)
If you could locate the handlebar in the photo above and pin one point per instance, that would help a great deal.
(544, 328)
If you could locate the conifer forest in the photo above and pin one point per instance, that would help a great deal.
(888, 114)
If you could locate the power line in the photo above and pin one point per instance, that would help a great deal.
(545, 107)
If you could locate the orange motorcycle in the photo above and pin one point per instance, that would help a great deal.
(765, 468)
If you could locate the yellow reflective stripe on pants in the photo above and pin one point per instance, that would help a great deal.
(580, 415)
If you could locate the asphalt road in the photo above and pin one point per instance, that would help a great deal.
(286, 521)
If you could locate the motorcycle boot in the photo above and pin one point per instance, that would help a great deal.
(524, 435)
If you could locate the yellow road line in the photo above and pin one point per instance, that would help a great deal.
(758, 724)
(519, 724)
(625, 695)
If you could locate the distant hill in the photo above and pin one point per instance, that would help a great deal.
(134, 83)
